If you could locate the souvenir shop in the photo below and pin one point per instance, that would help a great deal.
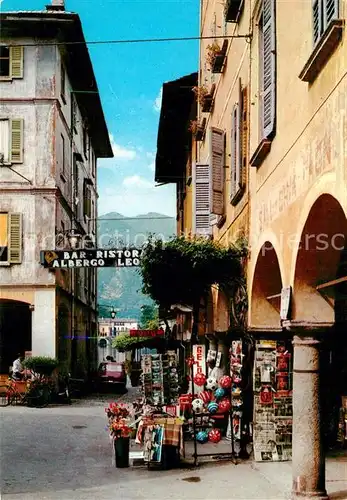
(238, 402)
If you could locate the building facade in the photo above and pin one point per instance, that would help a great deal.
(108, 330)
(52, 131)
(268, 163)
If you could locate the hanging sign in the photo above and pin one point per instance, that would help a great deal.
(199, 354)
(57, 259)
(147, 333)
(286, 295)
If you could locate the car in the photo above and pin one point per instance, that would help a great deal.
(112, 374)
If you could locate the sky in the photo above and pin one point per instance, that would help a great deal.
(130, 78)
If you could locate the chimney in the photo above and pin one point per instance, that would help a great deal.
(56, 5)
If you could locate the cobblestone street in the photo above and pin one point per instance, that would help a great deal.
(64, 453)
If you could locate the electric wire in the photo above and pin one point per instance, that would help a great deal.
(132, 40)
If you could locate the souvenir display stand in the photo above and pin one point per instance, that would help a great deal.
(160, 430)
(218, 402)
(272, 421)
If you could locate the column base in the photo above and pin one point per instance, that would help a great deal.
(309, 495)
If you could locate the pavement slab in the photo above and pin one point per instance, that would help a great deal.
(64, 453)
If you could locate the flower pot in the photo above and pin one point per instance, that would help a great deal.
(121, 451)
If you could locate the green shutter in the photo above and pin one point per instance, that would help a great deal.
(15, 239)
(16, 62)
(16, 140)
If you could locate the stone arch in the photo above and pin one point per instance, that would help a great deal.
(15, 331)
(317, 261)
(266, 289)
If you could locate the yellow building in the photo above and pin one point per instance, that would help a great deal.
(268, 161)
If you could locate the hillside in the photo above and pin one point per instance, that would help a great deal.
(120, 288)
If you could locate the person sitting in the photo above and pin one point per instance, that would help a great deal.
(17, 368)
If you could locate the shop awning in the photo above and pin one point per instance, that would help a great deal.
(174, 139)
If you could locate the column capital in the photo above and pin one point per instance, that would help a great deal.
(309, 329)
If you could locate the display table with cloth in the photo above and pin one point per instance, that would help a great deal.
(171, 439)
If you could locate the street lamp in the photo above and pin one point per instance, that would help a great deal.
(113, 313)
(74, 238)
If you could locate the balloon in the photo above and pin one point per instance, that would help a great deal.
(224, 405)
(219, 393)
(197, 404)
(211, 383)
(215, 435)
(213, 407)
(200, 379)
(206, 396)
(202, 437)
(225, 382)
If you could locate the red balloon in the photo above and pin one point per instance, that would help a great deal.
(224, 406)
(225, 382)
(214, 435)
(206, 396)
(200, 379)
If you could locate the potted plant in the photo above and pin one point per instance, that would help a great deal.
(200, 92)
(197, 129)
(216, 56)
(118, 415)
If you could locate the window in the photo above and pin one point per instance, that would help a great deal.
(10, 238)
(62, 154)
(85, 141)
(239, 147)
(62, 83)
(323, 12)
(87, 198)
(11, 141)
(93, 160)
(202, 196)
(267, 80)
(217, 146)
(11, 62)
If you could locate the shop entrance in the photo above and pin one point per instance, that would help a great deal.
(15, 331)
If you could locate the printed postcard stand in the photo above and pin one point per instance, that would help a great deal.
(273, 411)
(197, 425)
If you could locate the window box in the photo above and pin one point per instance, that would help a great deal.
(237, 196)
(232, 9)
(208, 100)
(322, 51)
(216, 56)
(261, 153)
(198, 129)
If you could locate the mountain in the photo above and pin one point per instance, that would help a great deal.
(121, 287)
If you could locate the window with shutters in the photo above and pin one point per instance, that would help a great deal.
(87, 199)
(11, 62)
(239, 147)
(202, 199)
(267, 79)
(217, 146)
(323, 12)
(11, 141)
(10, 238)
(62, 83)
(327, 31)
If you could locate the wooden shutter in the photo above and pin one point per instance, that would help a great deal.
(317, 20)
(16, 142)
(201, 213)
(331, 11)
(16, 60)
(15, 238)
(244, 137)
(217, 171)
(269, 68)
(235, 152)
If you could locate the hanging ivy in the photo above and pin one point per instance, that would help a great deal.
(183, 270)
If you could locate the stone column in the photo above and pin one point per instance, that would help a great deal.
(308, 464)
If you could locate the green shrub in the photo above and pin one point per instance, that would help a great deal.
(41, 365)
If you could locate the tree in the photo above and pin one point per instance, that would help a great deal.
(183, 270)
(149, 317)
